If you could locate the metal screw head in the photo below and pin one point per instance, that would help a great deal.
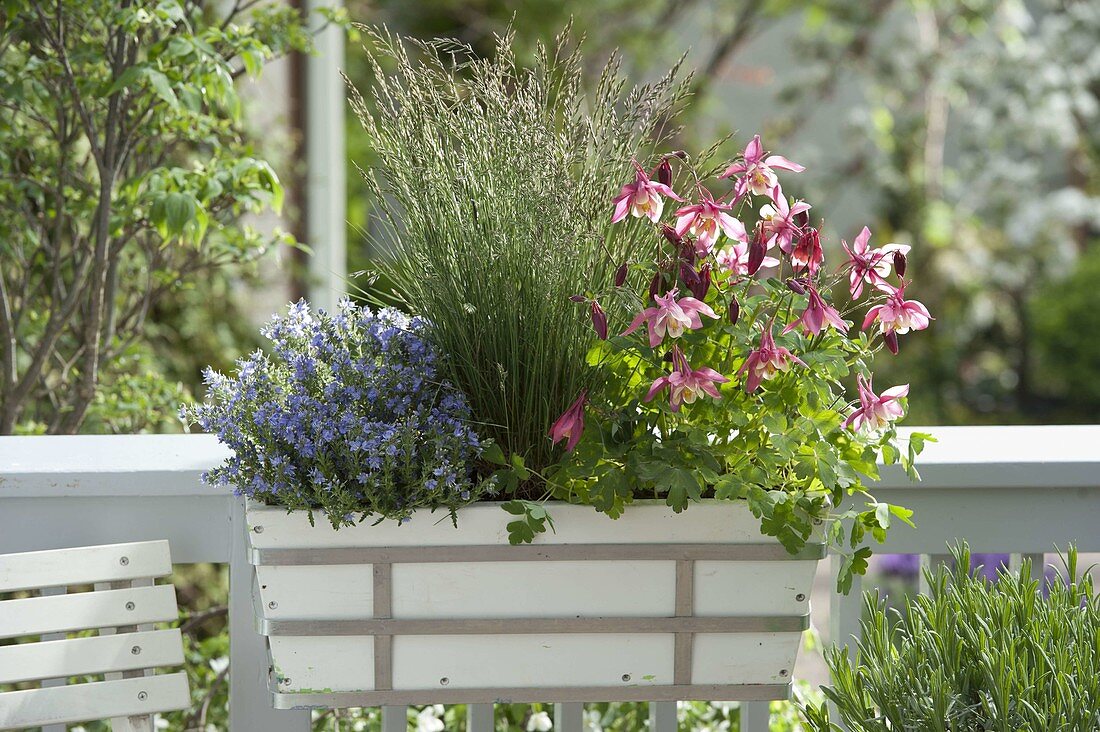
(444, 681)
(142, 696)
(258, 529)
(799, 597)
(272, 605)
(124, 561)
(626, 677)
(136, 650)
(783, 672)
(130, 606)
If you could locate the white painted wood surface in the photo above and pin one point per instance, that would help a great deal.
(1015, 489)
(97, 700)
(421, 588)
(93, 655)
(84, 565)
(710, 522)
(131, 606)
(121, 606)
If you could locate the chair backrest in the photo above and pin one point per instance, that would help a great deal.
(125, 651)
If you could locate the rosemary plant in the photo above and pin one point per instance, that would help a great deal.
(491, 185)
(973, 655)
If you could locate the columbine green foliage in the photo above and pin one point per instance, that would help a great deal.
(971, 656)
(124, 171)
(491, 185)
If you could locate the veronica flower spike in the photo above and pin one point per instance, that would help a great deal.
(875, 412)
(817, 315)
(570, 424)
(871, 266)
(758, 171)
(766, 361)
(897, 315)
(778, 220)
(641, 198)
(705, 219)
(671, 317)
(685, 383)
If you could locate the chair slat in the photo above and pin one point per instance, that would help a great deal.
(84, 656)
(84, 565)
(86, 702)
(131, 606)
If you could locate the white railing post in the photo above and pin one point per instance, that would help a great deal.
(326, 185)
(250, 705)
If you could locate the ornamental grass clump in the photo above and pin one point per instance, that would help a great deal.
(973, 655)
(490, 183)
(349, 415)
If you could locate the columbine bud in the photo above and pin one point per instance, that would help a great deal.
(599, 320)
(702, 283)
(578, 298)
(735, 311)
(891, 340)
(689, 276)
(656, 285)
(620, 275)
(796, 285)
(757, 249)
(899, 263)
(670, 233)
(664, 172)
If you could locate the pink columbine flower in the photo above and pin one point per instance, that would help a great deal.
(671, 316)
(817, 315)
(735, 258)
(641, 198)
(766, 361)
(867, 265)
(570, 424)
(778, 220)
(898, 315)
(704, 220)
(807, 253)
(875, 412)
(685, 383)
(759, 174)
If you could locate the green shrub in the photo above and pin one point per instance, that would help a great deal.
(972, 655)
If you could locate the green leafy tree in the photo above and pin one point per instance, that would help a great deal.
(124, 172)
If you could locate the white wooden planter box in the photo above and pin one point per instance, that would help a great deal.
(653, 606)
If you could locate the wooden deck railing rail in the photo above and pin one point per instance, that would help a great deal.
(1021, 490)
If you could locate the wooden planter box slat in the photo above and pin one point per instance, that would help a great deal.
(698, 605)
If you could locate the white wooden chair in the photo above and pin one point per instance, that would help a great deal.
(126, 651)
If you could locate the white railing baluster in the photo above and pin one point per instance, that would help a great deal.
(932, 563)
(845, 610)
(479, 718)
(569, 717)
(395, 719)
(662, 717)
(755, 717)
(1038, 563)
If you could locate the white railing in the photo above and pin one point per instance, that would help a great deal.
(1022, 490)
